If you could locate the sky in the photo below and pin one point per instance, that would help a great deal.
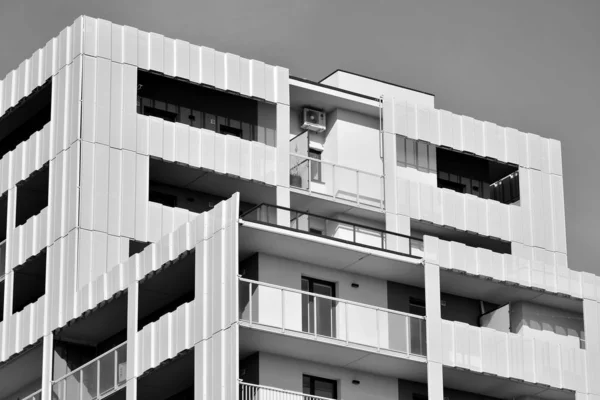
(533, 65)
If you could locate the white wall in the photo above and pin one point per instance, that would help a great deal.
(546, 323)
(286, 373)
(364, 325)
(374, 88)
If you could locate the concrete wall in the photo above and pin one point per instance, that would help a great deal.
(286, 373)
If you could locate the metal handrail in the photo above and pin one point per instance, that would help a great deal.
(89, 363)
(337, 299)
(382, 232)
(33, 396)
(303, 396)
(336, 165)
(384, 338)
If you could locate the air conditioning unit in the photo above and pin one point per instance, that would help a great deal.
(122, 372)
(314, 120)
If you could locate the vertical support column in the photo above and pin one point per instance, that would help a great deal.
(47, 356)
(283, 163)
(132, 327)
(435, 381)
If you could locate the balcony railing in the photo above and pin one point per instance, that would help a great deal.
(340, 183)
(95, 380)
(249, 391)
(319, 316)
(34, 396)
(335, 229)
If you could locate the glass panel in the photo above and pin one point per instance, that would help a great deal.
(244, 297)
(324, 388)
(58, 391)
(121, 365)
(397, 328)
(90, 382)
(221, 122)
(345, 184)
(325, 316)
(308, 313)
(417, 336)
(198, 119)
(210, 122)
(72, 386)
(107, 373)
(186, 116)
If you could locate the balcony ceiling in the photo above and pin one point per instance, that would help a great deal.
(24, 370)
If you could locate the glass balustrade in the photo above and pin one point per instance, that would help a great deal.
(335, 229)
(95, 380)
(336, 181)
(329, 317)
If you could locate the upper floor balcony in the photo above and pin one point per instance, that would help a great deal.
(336, 182)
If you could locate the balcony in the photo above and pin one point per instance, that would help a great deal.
(332, 320)
(98, 379)
(332, 181)
(249, 391)
(34, 396)
(335, 229)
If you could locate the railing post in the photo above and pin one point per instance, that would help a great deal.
(377, 329)
(315, 315)
(408, 319)
(346, 319)
(357, 187)
(116, 376)
(250, 300)
(282, 311)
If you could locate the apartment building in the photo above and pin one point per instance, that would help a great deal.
(182, 223)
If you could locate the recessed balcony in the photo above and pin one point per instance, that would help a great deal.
(319, 318)
(335, 182)
(98, 379)
(249, 391)
(334, 229)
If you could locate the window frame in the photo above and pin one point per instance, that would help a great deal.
(312, 379)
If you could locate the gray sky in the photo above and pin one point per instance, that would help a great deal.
(533, 65)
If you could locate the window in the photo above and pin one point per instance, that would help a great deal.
(416, 396)
(136, 247)
(416, 306)
(315, 166)
(318, 313)
(321, 387)
(32, 195)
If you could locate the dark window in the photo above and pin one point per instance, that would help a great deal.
(30, 115)
(29, 282)
(416, 306)
(229, 130)
(321, 387)
(481, 177)
(155, 112)
(165, 199)
(32, 195)
(318, 311)
(315, 166)
(418, 397)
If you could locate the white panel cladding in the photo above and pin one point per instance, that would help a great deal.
(511, 355)
(176, 142)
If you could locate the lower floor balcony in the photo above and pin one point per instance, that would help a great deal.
(250, 391)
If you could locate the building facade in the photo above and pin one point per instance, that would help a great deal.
(181, 223)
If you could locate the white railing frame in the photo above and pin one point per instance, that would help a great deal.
(277, 390)
(334, 166)
(32, 395)
(100, 395)
(377, 310)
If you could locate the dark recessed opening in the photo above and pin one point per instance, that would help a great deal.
(23, 120)
(136, 247)
(175, 100)
(163, 292)
(481, 177)
(29, 282)
(32, 195)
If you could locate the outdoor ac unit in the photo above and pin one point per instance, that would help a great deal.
(122, 372)
(313, 120)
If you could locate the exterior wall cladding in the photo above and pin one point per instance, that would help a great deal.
(408, 279)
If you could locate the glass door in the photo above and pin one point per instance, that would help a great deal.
(318, 313)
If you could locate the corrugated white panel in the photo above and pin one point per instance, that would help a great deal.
(563, 278)
(117, 43)
(459, 211)
(555, 156)
(479, 138)
(207, 148)
(182, 59)
(100, 209)
(529, 373)
(534, 151)
(270, 165)
(558, 213)
(143, 134)
(270, 83)
(494, 141)
(207, 66)
(232, 72)
(195, 149)
(415, 204)
(547, 207)
(396, 122)
(448, 207)
(88, 108)
(114, 191)
(448, 343)
(182, 143)
(64, 47)
(503, 211)
(104, 39)
(102, 117)
(130, 45)
(143, 43)
(468, 134)
(116, 105)
(219, 69)
(537, 268)
(22, 79)
(51, 60)
(282, 85)
(129, 115)
(154, 222)
(446, 128)
(484, 262)
(257, 79)
(542, 362)
(169, 56)
(515, 348)
(258, 161)
(516, 228)
(156, 52)
(221, 154)
(426, 201)
(462, 351)
(168, 144)
(489, 346)
(537, 213)
(457, 252)
(434, 119)
(423, 124)
(499, 262)
(493, 217)
(245, 162)
(155, 140)
(511, 266)
(470, 254)
(403, 196)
